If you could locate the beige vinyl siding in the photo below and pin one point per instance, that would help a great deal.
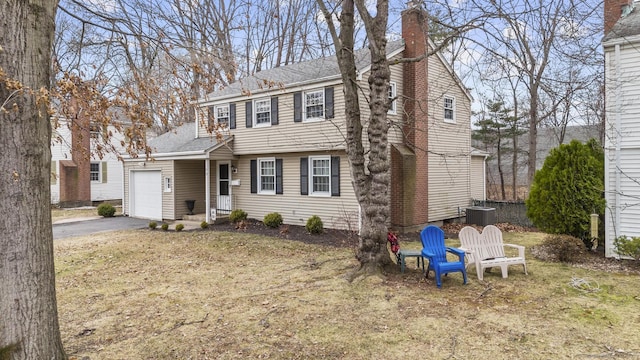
(477, 178)
(395, 130)
(289, 136)
(189, 183)
(449, 146)
(166, 168)
(336, 211)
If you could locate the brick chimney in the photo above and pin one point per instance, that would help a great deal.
(612, 12)
(75, 178)
(410, 162)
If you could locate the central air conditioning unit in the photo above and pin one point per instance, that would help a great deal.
(482, 216)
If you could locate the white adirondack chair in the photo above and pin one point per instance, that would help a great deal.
(486, 250)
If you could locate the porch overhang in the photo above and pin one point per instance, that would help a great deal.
(197, 149)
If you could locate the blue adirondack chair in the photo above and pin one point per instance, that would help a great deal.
(433, 249)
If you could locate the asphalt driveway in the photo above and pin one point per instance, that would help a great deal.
(91, 226)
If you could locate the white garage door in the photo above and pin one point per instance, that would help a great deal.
(146, 194)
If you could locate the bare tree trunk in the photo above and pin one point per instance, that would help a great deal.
(533, 133)
(29, 319)
(514, 159)
(372, 186)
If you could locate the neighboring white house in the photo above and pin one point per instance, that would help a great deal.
(622, 141)
(104, 174)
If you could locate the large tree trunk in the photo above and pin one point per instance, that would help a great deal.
(28, 313)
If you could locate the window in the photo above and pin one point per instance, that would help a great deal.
(167, 184)
(449, 107)
(266, 176)
(392, 97)
(95, 130)
(314, 105)
(320, 179)
(94, 174)
(320, 175)
(263, 112)
(222, 115)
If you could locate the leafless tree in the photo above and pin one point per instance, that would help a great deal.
(29, 325)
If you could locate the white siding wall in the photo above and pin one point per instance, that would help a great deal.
(100, 190)
(449, 146)
(622, 187)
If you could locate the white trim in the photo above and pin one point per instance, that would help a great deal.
(319, 193)
(255, 112)
(259, 176)
(393, 109)
(99, 180)
(215, 114)
(167, 184)
(304, 105)
(445, 108)
(621, 41)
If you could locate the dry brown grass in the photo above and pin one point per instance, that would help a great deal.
(207, 295)
(62, 214)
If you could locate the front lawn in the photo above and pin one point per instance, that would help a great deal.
(215, 295)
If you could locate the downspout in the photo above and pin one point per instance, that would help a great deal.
(617, 129)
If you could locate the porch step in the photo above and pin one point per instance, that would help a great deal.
(220, 219)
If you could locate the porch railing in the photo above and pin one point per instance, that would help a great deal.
(223, 204)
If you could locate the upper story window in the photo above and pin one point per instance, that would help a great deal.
(392, 98)
(94, 173)
(95, 130)
(314, 105)
(449, 109)
(218, 116)
(267, 176)
(263, 112)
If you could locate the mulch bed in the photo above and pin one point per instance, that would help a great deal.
(348, 239)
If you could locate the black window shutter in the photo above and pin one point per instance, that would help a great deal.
(211, 117)
(274, 110)
(232, 116)
(254, 176)
(249, 114)
(304, 176)
(328, 103)
(335, 176)
(297, 106)
(278, 176)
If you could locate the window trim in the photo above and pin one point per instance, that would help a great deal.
(215, 115)
(312, 175)
(167, 185)
(393, 106)
(452, 120)
(255, 112)
(99, 172)
(304, 105)
(261, 191)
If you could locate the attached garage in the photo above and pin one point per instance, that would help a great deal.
(145, 193)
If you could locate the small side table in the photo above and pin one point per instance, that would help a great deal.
(403, 254)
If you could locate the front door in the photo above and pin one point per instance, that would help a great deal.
(224, 193)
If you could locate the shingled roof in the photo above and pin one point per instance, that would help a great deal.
(182, 139)
(628, 25)
(316, 70)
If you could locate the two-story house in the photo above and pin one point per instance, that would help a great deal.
(282, 147)
(622, 125)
